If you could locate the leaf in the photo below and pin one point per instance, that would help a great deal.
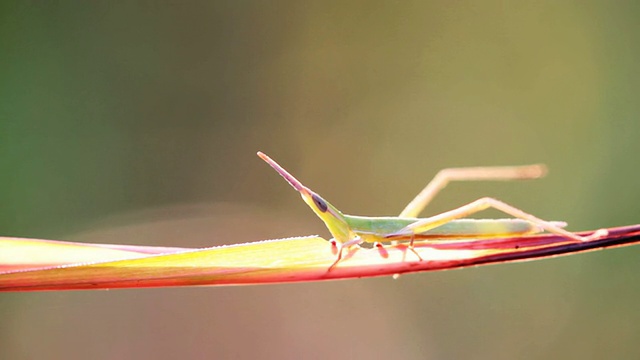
(32, 265)
(25, 254)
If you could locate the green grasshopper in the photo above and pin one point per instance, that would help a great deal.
(350, 230)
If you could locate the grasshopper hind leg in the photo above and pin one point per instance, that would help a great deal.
(481, 204)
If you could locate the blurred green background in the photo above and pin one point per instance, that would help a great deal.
(138, 123)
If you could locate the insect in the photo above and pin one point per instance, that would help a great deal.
(350, 230)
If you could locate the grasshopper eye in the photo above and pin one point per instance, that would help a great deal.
(320, 204)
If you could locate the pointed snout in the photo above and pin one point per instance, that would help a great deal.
(284, 173)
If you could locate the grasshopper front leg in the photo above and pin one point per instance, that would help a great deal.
(340, 247)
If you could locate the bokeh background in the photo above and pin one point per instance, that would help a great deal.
(138, 123)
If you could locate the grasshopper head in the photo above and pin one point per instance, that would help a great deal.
(332, 217)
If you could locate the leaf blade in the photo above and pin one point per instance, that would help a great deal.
(292, 260)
